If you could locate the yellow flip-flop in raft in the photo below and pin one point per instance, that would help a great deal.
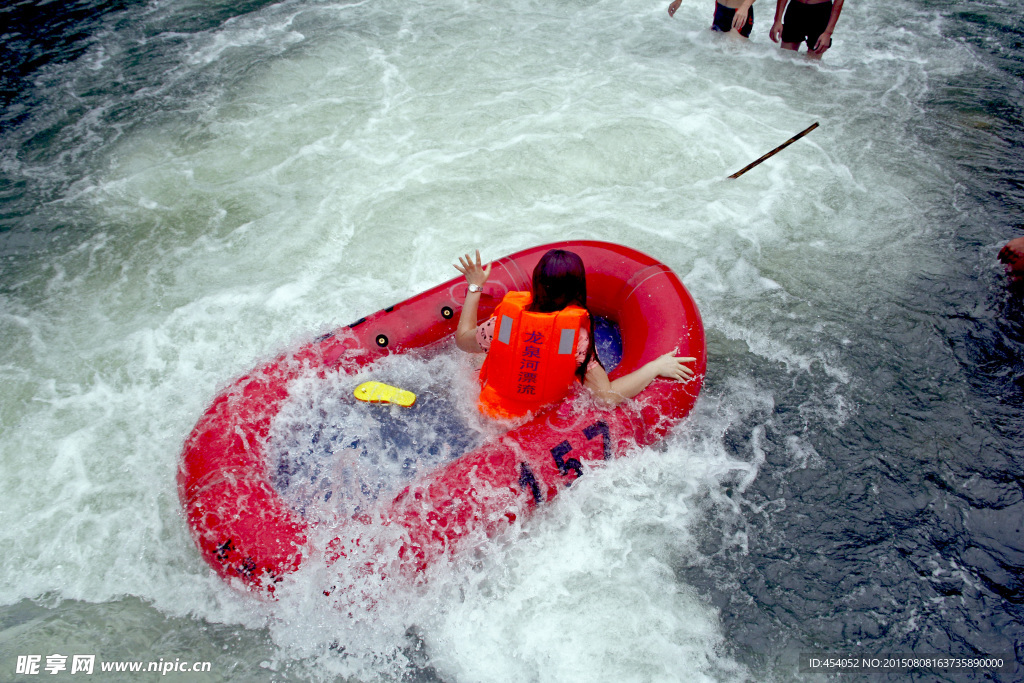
(378, 392)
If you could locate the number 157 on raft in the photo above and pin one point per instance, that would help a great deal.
(564, 463)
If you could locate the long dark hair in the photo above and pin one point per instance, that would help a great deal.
(560, 280)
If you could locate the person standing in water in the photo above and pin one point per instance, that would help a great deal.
(806, 21)
(539, 343)
(735, 17)
(1012, 256)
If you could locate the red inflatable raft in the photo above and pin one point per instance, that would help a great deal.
(245, 530)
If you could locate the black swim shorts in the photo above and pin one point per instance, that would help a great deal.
(803, 22)
(723, 20)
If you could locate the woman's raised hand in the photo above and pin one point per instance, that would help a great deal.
(475, 272)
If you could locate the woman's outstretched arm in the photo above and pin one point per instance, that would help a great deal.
(614, 392)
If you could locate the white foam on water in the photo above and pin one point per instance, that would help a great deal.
(341, 159)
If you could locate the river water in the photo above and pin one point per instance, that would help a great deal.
(187, 189)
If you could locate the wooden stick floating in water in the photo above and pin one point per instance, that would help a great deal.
(775, 151)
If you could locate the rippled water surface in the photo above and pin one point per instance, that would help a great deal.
(187, 189)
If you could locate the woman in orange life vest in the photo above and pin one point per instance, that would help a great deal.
(544, 341)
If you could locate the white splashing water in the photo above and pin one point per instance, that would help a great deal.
(295, 168)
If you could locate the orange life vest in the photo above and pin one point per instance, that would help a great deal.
(532, 359)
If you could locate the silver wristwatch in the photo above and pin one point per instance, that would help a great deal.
(475, 288)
